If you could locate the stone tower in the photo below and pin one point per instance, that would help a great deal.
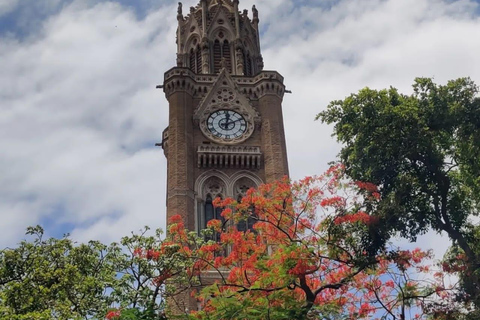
(225, 130)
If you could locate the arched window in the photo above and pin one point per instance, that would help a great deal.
(241, 188)
(192, 60)
(226, 55)
(195, 60)
(211, 212)
(217, 56)
(221, 50)
(247, 64)
(212, 188)
(249, 221)
(198, 56)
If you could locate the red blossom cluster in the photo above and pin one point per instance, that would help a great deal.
(160, 280)
(360, 216)
(149, 254)
(113, 314)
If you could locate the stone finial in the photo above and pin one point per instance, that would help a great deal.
(245, 13)
(179, 10)
(255, 12)
(192, 10)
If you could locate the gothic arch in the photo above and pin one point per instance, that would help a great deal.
(237, 177)
(222, 33)
(240, 186)
(194, 53)
(192, 41)
(209, 186)
(199, 184)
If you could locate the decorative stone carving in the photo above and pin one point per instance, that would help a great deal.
(224, 95)
(214, 187)
(242, 186)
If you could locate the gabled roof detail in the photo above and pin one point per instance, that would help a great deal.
(194, 31)
(223, 14)
(225, 94)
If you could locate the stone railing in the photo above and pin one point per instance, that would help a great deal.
(229, 157)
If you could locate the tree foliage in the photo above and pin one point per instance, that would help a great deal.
(302, 259)
(52, 278)
(58, 279)
(422, 151)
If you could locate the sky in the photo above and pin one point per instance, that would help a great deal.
(80, 115)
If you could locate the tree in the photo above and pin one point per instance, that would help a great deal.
(57, 279)
(422, 151)
(53, 278)
(302, 258)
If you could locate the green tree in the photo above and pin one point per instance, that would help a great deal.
(54, 279)
(423, 152)
(58, 279)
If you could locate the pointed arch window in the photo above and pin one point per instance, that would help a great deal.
(247, 224)
(195, 60)
(247, 63)
(221, 49)
(226, 55)
(212, 213)
(209, 210)
(250, 218)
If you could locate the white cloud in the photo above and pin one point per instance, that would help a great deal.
(79, 113)
(7, 6)
(79, 118)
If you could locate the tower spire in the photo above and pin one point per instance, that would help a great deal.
(215, 30)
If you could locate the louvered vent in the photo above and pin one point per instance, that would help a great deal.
(199, 60)
(217, 56)
(192, 60)
(227, 56)
(248, 65)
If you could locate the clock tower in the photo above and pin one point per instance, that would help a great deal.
(225, 131)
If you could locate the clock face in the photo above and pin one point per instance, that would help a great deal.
(226, 124)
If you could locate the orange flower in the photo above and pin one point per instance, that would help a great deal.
(113, 314)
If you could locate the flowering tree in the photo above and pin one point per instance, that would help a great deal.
(303, 258)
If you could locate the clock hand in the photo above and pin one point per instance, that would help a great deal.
(227, 119)
(227, 123)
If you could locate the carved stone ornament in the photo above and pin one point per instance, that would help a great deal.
(242, 186)
(214, 187)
